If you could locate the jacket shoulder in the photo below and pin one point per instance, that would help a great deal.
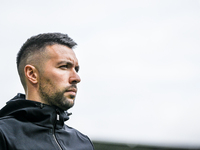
(79, 138)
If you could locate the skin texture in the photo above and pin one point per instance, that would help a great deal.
(56, 83)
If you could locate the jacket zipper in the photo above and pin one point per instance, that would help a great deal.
(56, 141)
(54, 135)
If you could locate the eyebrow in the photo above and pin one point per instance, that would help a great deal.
(70, 63)
(65, 62)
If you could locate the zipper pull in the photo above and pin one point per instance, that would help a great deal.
(58, 117)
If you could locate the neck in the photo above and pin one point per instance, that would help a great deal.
(33, 95)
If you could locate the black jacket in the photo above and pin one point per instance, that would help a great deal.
(30, 125)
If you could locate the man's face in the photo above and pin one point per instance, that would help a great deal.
(58, 78)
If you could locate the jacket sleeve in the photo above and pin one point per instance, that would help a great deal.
(2, 141)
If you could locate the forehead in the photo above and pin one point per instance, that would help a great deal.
(59, 52)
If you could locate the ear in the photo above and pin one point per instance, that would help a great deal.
(31, 73)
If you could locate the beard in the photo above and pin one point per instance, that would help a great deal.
(55, 97)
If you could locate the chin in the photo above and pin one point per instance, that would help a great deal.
(68, 103)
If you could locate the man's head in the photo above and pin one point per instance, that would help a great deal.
(48, 68)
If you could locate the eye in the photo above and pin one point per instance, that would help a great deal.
(65, 66)
(77, 68)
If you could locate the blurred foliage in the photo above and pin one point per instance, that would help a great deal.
(118, 146)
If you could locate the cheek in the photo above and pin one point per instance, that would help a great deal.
(59, 78)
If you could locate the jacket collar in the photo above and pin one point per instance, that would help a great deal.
(35, 112)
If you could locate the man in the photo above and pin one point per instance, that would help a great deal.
(48, 69)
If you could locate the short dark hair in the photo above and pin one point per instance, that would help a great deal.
(37, 44)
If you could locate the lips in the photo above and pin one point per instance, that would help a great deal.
(72, 91)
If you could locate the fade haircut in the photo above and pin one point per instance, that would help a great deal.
(36, 45)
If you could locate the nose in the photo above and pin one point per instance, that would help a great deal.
(74, 78)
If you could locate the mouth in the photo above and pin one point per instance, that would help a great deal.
(72, 91)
